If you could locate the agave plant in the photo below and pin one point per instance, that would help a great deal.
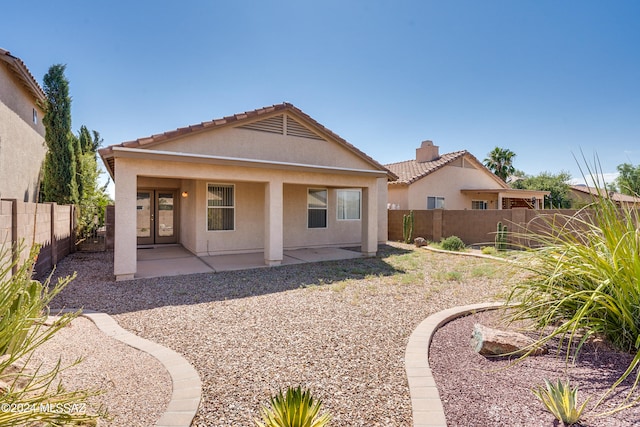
(294, 408)
(562, 401)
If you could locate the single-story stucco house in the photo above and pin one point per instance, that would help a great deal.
(265, 180)
(454, 181)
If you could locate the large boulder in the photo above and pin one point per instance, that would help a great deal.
(494, 342)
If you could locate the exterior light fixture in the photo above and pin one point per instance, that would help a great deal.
(185, 194)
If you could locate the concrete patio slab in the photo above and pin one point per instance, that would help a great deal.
(322, 254)
(175, 260)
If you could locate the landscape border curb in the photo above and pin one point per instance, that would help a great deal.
(426, 406)
(186, 383)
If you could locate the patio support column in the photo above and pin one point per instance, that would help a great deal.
(370, 220)
(273, 229)
(499, 201)
(124, 251)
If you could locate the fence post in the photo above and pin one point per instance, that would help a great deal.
(72, 228)
(14, 234)
(52, 233)
(437, 224)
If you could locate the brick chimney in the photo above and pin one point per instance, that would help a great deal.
(427, 152)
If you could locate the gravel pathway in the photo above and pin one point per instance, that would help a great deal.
(340, 327)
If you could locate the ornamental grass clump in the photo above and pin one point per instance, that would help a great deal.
(562, 401)
(294, 408)
(585, 282)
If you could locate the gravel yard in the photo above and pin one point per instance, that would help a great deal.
(338, 327)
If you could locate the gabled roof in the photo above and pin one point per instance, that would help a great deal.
(235, 120)
(23, 74)
(411, 170)
(616, 197)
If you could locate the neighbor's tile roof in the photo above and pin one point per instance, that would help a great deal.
(410, 171)
(616, 197)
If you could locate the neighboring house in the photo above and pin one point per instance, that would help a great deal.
(260, 181)
(22, 147)
(454, 181)
(581, 195)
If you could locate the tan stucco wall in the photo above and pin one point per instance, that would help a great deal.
(445, 182)
(244, 143)
(251, 211)
(22, 147)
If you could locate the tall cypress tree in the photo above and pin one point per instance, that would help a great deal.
(59, 176)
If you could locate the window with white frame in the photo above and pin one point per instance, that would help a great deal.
(479, 204)
(220, 207)
(435, 202)
(317, 208)
(349, 204)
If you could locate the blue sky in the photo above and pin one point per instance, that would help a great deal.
(545, 79)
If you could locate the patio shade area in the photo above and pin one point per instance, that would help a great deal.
(175, 260)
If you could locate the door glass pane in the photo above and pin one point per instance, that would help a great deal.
(143, 213)
(165, 214)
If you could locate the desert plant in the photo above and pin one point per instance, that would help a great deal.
(294, 408)
(35, 395)
(586, 281)
(488, 250)
(452, 243)
(501, 237)
(561, 400)
(407, 227)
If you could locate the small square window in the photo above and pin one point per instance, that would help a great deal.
(479, 204)
(348, 204)
(434, 202)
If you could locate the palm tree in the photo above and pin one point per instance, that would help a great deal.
(499, 161)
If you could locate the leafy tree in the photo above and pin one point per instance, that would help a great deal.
(92, 198)
(59, 175)
(500, 162)
(546, 181)
(629, 179)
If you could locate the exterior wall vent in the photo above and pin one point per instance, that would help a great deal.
(278, 124)
(296, 129)
(273, 124)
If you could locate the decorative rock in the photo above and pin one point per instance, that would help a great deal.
(494, 342)
(419, 241)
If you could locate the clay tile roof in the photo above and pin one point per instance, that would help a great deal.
(616, 197)
(23, 74)
(410, 171)
(248, 115)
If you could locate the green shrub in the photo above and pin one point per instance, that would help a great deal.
(452, 243)
(294, 408)
(488, 250)
(24, 307)
(586, 281)
(562, 401)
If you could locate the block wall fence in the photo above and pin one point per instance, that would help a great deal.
(474, 227)
(22, 224)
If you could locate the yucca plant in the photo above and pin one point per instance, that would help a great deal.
(561, 400)
(294, 408)
(585, 281)
(32, 395)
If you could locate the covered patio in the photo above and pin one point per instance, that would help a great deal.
(175, 260)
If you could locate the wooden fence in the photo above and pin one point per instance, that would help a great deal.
(22, 224)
